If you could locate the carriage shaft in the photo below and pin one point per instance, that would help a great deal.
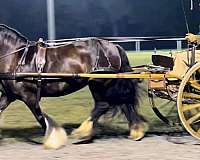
(88, 75)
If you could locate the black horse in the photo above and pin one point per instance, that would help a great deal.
(18, 54)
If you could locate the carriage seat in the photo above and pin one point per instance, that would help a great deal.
(178, 64)
(181, 63)
(161, 86)
(163, 61)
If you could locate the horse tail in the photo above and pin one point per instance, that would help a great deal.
(125, 65)
(123, 96)
(125, 91)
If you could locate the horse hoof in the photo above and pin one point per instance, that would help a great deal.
(56, 139)
(86, 140)
(81, 134)
(136, 136)
(137, 131)
(84, 131)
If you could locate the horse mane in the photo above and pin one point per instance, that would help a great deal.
(13, 34)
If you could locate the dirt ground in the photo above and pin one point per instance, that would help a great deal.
(153, 147)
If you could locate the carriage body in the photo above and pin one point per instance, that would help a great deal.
(183, 88)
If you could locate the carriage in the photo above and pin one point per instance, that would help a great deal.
(172, 78)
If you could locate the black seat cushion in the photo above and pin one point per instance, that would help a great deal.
(164, 61)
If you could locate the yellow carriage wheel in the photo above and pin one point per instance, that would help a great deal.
(188, 101)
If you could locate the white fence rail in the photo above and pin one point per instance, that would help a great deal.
(139, 40)
(136, 40)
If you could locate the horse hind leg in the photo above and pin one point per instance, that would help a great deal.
(4, 102)
(123, 93)
(116, 93)
(86, 129)
(137, 124)
(55, 136)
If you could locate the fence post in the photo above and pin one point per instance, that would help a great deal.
(51, 20)
(137, 46)
(179, 44)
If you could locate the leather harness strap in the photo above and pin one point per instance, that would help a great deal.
(105, 55)
(40, 59)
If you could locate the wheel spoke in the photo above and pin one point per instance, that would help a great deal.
(191, 95)
(187, 107)
(195, 84)
(197, 121)
(194, 118)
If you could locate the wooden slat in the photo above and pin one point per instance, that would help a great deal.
(187, 107)
(191, 95)
(194, 118)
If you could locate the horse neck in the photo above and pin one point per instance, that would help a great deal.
(10, 45)
(7, 47)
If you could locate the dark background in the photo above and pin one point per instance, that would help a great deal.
(83, 18)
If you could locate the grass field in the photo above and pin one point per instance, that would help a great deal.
(71, 110)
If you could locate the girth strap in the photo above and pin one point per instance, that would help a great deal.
(40, 61)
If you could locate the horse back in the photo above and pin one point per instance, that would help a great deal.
(84, 56)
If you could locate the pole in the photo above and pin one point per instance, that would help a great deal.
(178, 44)
(51, 19)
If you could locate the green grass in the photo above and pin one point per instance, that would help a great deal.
(139, 58)
(18, 122)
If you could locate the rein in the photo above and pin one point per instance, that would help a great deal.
(20, 49)
(185, 16)
(13, 52)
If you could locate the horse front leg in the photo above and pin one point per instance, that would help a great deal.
(55, 136)
(4, 102)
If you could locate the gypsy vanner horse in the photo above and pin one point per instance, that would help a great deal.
(18, 54)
